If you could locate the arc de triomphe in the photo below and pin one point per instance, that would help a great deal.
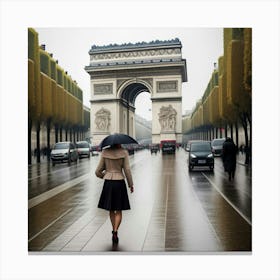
(119, 73)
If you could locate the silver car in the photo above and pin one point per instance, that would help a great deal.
(64, 151)
(83, 148)
(217, 146)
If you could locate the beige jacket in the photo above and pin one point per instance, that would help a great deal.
(111, 164)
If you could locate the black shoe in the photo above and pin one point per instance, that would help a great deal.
(115, 238)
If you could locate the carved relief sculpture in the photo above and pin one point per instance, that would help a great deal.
(102, 119)
(167, 86)
(136, 54)
(103, 88)
(167, 118)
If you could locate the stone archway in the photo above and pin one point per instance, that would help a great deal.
(119, 73)
(128, 93)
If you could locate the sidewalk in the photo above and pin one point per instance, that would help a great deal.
(240, 159)
(44, 159)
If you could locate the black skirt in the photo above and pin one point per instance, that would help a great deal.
(114, 196)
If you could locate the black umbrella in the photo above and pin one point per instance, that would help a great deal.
(117, 138)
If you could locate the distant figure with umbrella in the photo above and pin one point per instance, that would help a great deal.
(229, 157)
(114, 160)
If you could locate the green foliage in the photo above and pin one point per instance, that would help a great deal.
(46, 97)
(44, 62)
(237, 33)
(247, 79)
(59, 76)
(31, 44)
(86, 119)
(226, 94)
(52, 94)
(53, 70)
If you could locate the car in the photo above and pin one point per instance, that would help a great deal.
(130, 148)
(189, 144)
(154, 148)
(217, 146)
(94, 150)
(64, 151)
(200, 154)
(168, 146)
(83, 148)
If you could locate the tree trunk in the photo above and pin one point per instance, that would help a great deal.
(236, 135)
(231, 131)
(48, 139)
(250, 137)
(225, 130)
(66, 134)
(56, 133)
(38, 154)
(247, 148)
(29, 141)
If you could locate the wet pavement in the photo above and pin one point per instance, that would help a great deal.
(172, 210)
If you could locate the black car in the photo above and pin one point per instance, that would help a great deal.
(154, 149)
(168, 147)
(200, 154)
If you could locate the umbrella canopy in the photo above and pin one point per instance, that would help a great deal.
(117, 138)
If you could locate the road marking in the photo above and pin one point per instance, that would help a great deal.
(165, 214)
(48, 194)
(228, 201)
(222, 174)
(56, 190)
(45, 228)
(55, 171)
(45, 174)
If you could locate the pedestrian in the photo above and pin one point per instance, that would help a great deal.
(229, 157)
(114, 198)
(241, 149)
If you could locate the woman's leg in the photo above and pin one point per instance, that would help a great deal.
(117, 220)
(112, 218)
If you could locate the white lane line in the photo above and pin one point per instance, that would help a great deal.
(240, 189)
(227, 200)
(45, 174)
(53, 171)
(37, 234)
(165, 214)
(48, 194)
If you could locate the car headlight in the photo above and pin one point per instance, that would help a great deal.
(210, 156)
(66, 154)
(193, 156)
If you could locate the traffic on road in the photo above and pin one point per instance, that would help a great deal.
(174, 208)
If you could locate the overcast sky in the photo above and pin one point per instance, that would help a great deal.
(201, 47)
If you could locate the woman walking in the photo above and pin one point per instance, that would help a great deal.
(114, 198)
(229, 157)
